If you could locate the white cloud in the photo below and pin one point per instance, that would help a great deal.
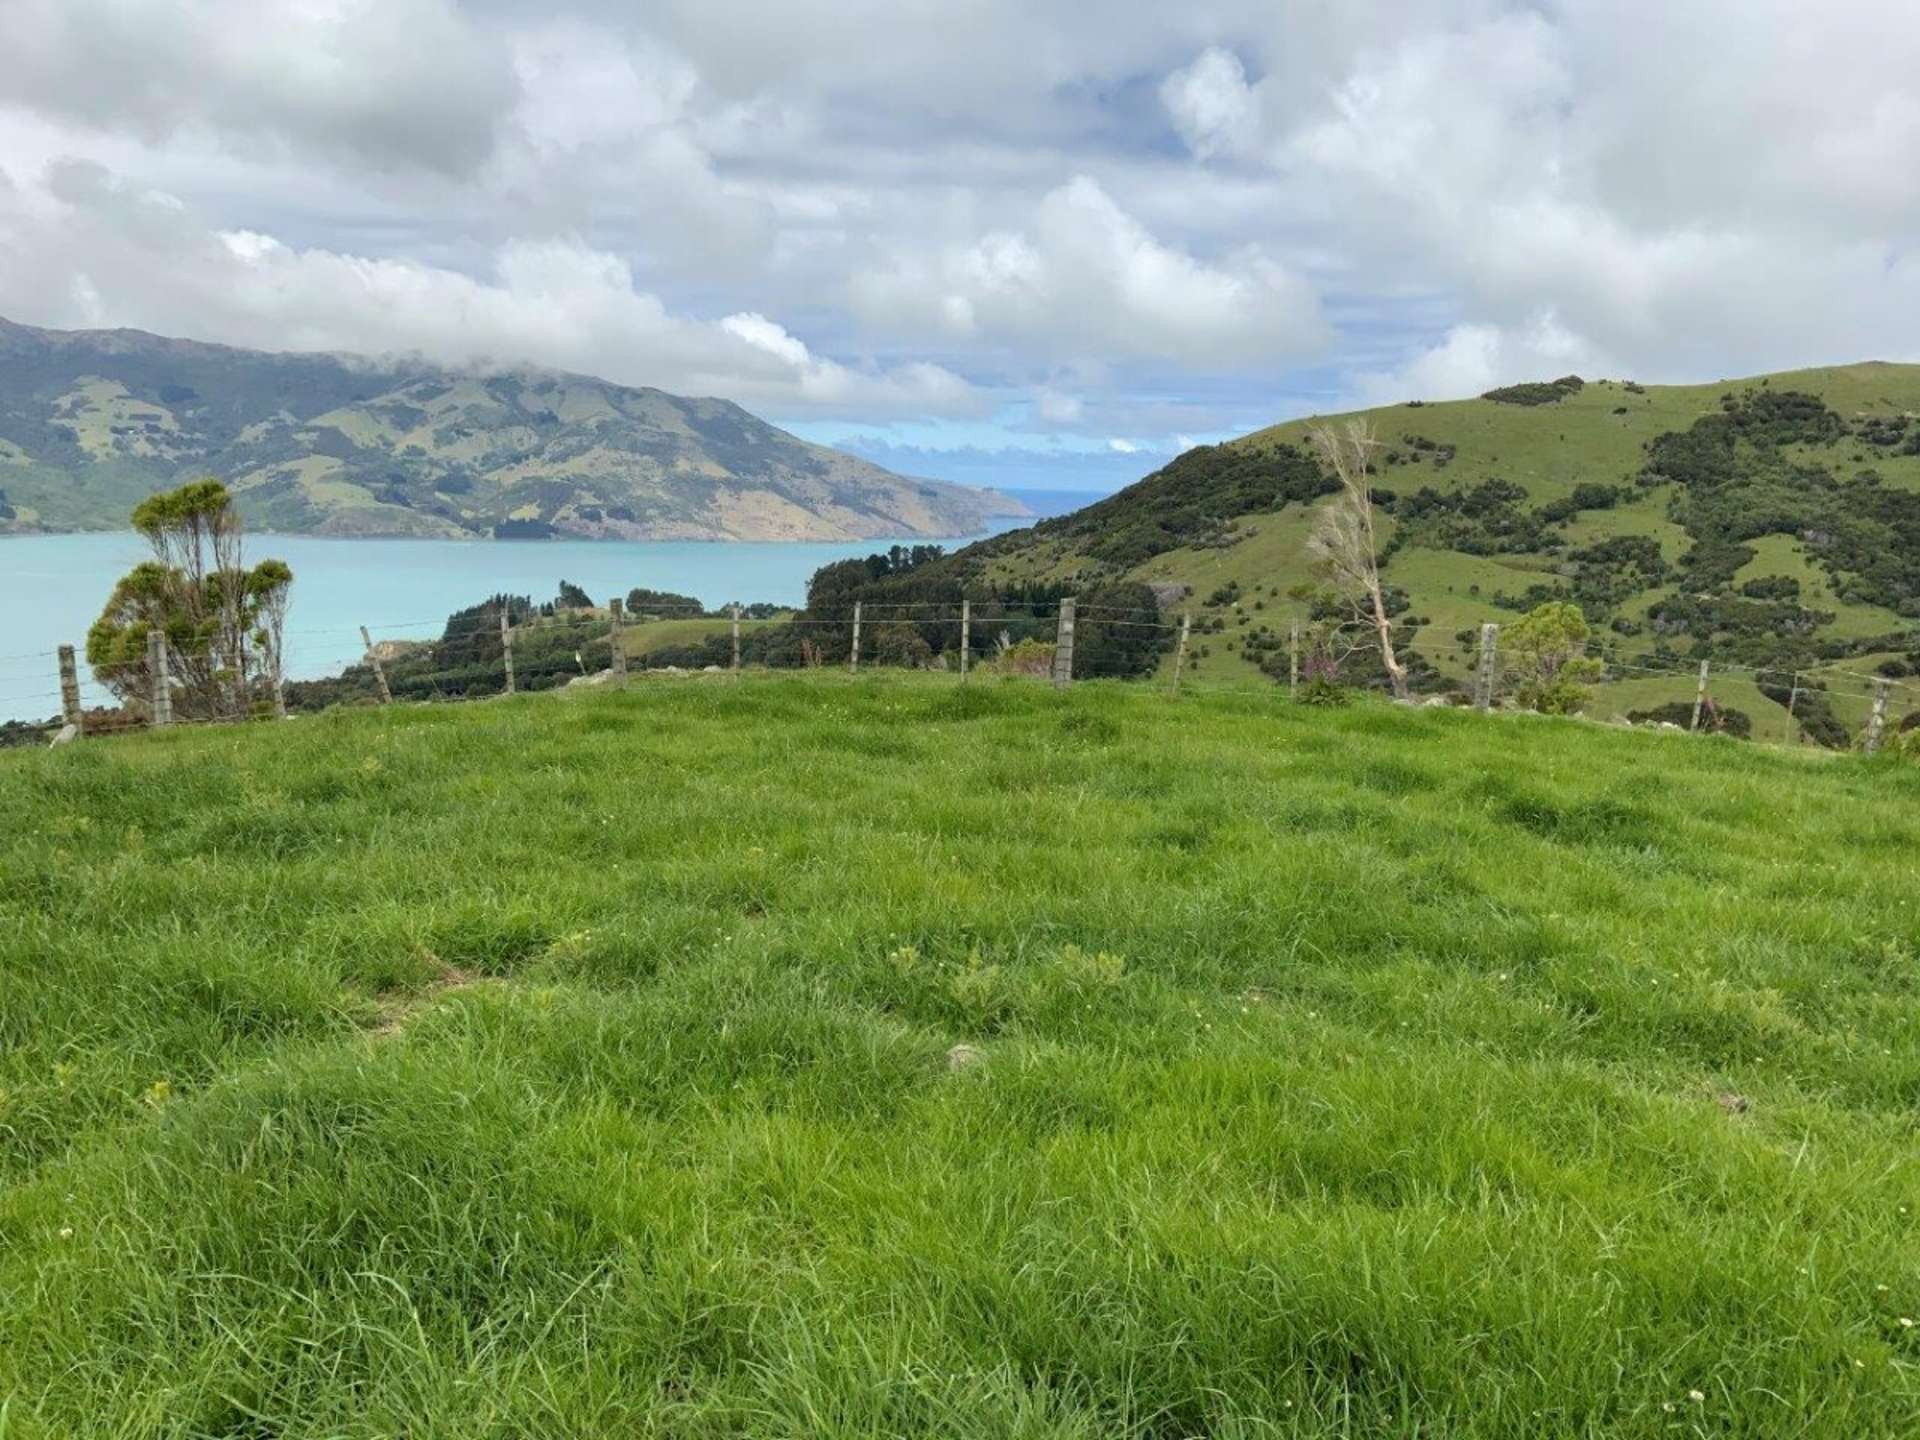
(1115, 220)
(105, 249)
(1211, 105)
(1085, 279)
(384, 83)
(1123, 447)
(1056, 408)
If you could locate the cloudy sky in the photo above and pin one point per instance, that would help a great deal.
(1044, 244)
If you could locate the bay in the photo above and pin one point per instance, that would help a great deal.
(52, 588)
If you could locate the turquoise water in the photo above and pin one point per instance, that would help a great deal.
(53, 586)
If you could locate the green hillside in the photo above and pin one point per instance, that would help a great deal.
(91, 422)
(1769, 524)
(813, 1057)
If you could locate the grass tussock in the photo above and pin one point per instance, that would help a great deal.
(805, 1057)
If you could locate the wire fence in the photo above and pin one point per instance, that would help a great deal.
(490, 652)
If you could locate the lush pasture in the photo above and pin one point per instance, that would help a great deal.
(585, 1065)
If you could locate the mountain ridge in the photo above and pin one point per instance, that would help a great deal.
(340, 444)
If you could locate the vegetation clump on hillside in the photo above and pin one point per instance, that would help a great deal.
(1536, 392)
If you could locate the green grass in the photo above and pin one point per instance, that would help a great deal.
(578, 1066)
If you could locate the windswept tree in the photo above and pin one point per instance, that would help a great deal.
(1343, 546)
(224, 624)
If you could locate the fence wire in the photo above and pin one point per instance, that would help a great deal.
(1004, 636)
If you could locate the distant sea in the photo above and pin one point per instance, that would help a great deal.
(52, 587)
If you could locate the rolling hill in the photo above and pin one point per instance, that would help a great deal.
(92, 421)
(1769, 522)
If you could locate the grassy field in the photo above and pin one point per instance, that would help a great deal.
(586, 1065)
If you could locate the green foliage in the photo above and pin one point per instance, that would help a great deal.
(1714, 719)
(222, 622)
(1537, 392)
(1546, 654)
(1188, 502)
(641, 601)
(1029, 657)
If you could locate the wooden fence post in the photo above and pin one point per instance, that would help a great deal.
(735, 609)
(617, 639)
(1699, 698)
(1877, 726)
(1063, 646)
(853, 663)
(506, 646)
(379, 670)
(1180, 650)
(70, 695)
(966, 635)
(279, 681)
(1489, 652)
(1795, 734)
(1293, 661)
(162, 698)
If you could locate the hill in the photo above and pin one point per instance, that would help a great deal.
(1377, 1071)
(92, 421)
(1770, 525)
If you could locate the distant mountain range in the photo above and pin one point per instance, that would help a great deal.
(92, 421)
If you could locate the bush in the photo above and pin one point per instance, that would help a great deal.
(1025, 657)
(1714, 719)
(898, 643)
(1546, 652)
(1537, 392)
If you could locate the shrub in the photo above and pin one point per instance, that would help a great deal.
(898, 643)
(1537, 392)
(1546, 654)
(1025, 657)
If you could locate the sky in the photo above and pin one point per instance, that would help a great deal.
(1039, 244)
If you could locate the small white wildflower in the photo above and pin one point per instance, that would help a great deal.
(1697, 1397)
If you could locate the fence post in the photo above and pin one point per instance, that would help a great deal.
(966, 635)
(1699, 698)
(279, 682)
(853, 662)
(162, 704)
(1180, 650)
(1063, 646)
(617, 637)
(1489, 651)
(506, 646)
(1877, 726)
(379, 670)
(1796, 734)
(1293, 661)
(70, 696)
(735, 609)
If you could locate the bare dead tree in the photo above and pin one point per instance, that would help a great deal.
(1343, 546)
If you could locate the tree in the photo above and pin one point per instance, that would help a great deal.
(1546, 651)
(1343, 546)
(224, 624)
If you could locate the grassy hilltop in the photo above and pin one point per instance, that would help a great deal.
(587, 1065)
(1771, 523)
